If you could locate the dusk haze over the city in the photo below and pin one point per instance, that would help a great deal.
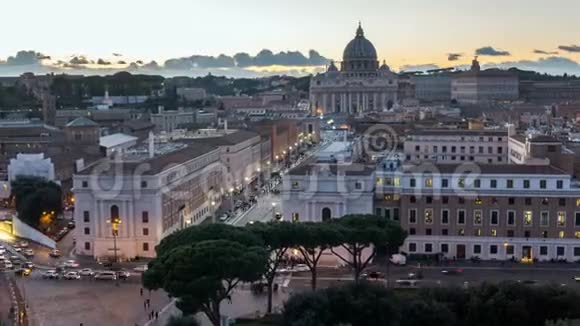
(290, 163)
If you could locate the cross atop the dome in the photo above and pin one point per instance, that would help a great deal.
(359, 30)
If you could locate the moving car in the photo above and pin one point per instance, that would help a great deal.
(51, 274)
(373, 275)
(301, 268)
(141, 268)
(452, 271)
(72, 276)
(55, 253)
(23, 271)
(123, 274)
(107, 275)
(407, 282)
(23, 244)
(71, 264)
(8, 264)
(86, 272)
(28, 253)
(577, 278)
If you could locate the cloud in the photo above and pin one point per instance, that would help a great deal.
(490, 51)
(117, 55)
(454, 56)
(102, 62)
(80, 60)
(536, 51)
(121, 62)
(420, 67)
(264, 58)
(569, 48)
(551, 65)
(153, 65)
(24, 58)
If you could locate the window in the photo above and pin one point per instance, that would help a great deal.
(561, 234)
(444, 248)
(429, 199)
(544, 218)
(526, 234)
(412, 183)
(510, 233)
(543, 184)
(494, 218)
(477, 217)
(87, 231)
(511, 201)
(145, 217)
(545, 201)
(577, 218)
(145, 246)
(493, 232)
(378, 211)
(494, 200)
(397, 181)
(145, 231)
(87, 246)
(477, 232)
(477, 183)
(444, 200)
(493, 250)
(86, 217)
(85, 184)
(509, 250)
(509, 184)
(413, 199)
(429, 182)
(143, 184)
(544, 234)
(511, 218)
(560, 251)
(527, 218)
(460, 200)
(576, 251)
(412, 231)
(428, 216)
(560, 184)
(388, 181)
(453, 149)
(358, 185)
(445, 216)
(412, 247)
(493, 184)
(543, 250)
(577, 234)
(444, 232)
(396, 214)
(477, 249)
(428, 247)
(526, 184)
(444, 183)
(461, 216)
(296, 185)
(562, 202)
(478, 201)
(528, 201)
(417, 148)
(561, 218)
(480, 149)
(461, 232)
(461, 183)
(412, 216)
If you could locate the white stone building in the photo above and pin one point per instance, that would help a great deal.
(360, 85)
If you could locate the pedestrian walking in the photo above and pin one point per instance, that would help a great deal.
(157, 315)
(141, 292)
(145, 305)
(149, 303)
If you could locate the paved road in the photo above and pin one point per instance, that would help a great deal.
(262, 211)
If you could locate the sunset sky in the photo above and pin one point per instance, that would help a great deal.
(405, 32)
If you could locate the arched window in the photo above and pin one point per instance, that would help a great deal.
(114, 212)
(326, 214)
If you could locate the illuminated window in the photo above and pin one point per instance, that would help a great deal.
(396, 197)
(397, 182)
(477, 232)
(429, 182)
(388, 197)
(461, 232)
(379, 181)
(578, 202)
(477, 217)
(494, 233)
(561, 234)
(527, 218)
(428, 216)
(388, 181)
(577, 234)
(561, 220)
(478, 201)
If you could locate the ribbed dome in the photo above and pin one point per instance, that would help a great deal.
(359, 48)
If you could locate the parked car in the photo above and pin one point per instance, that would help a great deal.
(28, 252)
(55, 253)
(71, 225)
(141, 268)
(72, 275)
(123, 274)
(107, 275)
(224, 218)
(28, 265)
(51, 274)
(407, 282)
(300, 268)
(8, 264)
(23, 244)
(86, 272)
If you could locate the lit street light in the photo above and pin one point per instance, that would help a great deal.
(115, 222)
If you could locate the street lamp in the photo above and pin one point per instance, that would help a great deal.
(115, 222)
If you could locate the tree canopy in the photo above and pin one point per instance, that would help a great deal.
(35, 197)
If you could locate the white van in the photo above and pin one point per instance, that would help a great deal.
(106, 275)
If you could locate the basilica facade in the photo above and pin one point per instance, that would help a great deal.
(359, 86)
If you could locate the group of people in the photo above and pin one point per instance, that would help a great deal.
(151, 314)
